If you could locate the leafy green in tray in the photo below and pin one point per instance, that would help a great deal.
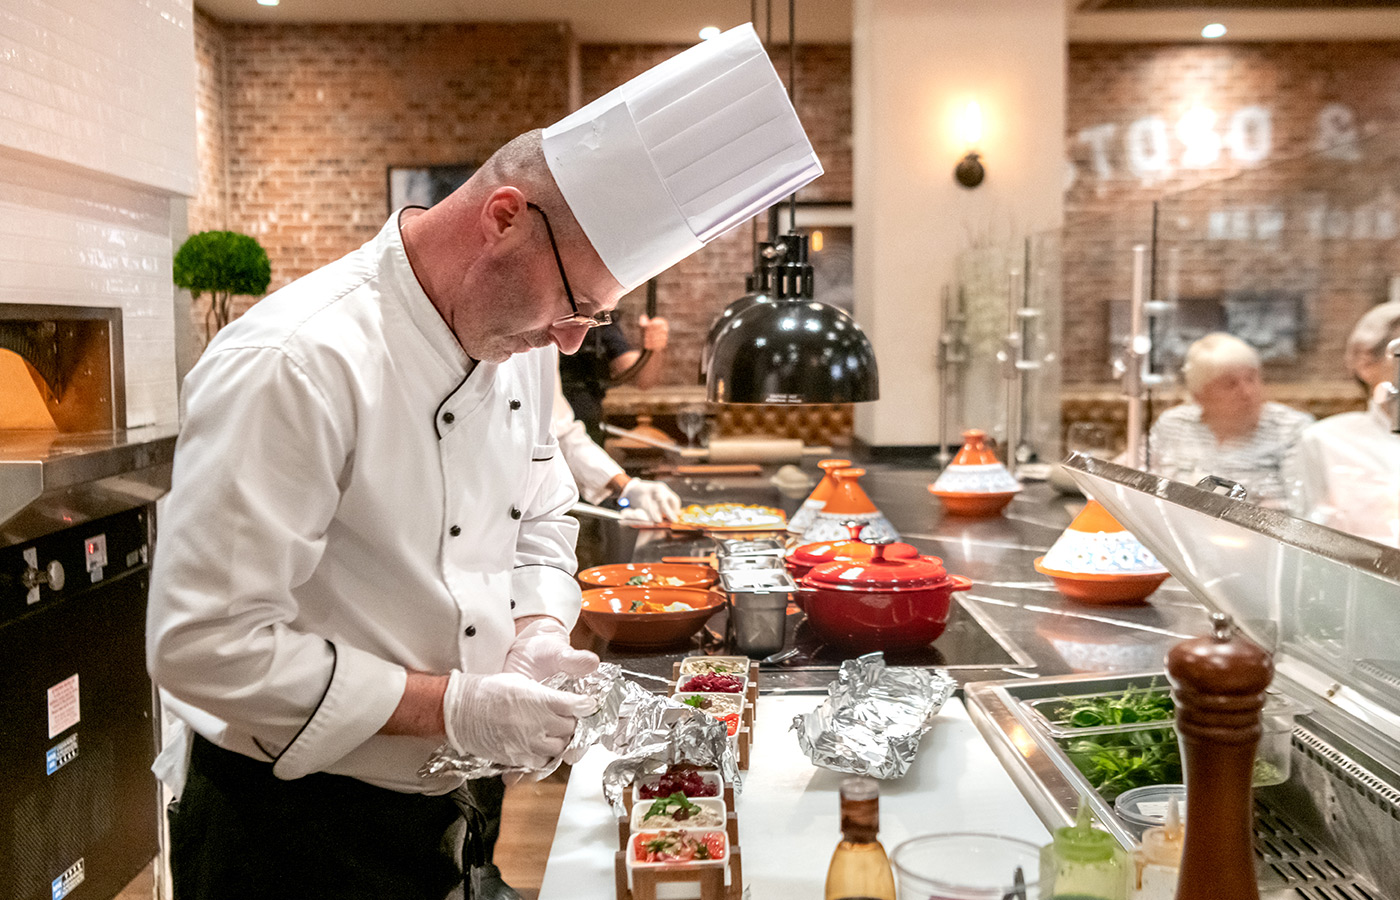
(1146, 704)
(1114, 763)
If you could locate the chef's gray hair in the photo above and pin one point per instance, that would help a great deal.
(1373, 331)
(1214, 355)
(521, 163)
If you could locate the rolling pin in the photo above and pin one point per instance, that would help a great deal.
(761, 450)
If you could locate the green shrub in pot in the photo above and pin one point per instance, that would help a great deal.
(221, 264)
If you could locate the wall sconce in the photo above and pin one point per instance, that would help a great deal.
(969, 172)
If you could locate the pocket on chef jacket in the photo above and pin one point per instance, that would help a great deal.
(541, 463)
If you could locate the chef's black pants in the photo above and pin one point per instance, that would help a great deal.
(240, 833)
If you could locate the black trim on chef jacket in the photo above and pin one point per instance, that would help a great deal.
(335, 658)
(437, 413)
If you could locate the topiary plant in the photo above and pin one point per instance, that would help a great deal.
(221, 264)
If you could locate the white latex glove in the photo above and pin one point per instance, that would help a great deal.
(541, 650)
(659, 502)
(510, 719)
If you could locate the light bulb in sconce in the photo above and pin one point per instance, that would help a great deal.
(969, 172)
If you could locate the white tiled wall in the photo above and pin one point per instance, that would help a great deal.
(97, 143)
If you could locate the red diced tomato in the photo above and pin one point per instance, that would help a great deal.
(731, 723)
(714, 843)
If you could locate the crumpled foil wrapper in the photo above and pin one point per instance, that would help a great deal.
(605, 685)
(873, 718)
(653, 732)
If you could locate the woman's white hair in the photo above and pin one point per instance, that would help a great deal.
(1372, 333)
(1214, 355)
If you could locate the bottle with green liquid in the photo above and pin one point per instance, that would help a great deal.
(1083, 863)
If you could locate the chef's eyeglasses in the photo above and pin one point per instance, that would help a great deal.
(578, 318)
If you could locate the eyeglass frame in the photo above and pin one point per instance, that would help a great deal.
(578, 318)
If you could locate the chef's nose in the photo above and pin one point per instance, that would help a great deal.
(568, 338)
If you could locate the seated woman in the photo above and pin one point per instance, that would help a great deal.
(1228, 429)
(1347, 467)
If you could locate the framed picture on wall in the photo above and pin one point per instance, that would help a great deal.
(830, 228)
(425, 185)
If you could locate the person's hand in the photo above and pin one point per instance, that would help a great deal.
(658, 501)
(656, 333)
(541, 649)
(509, 719)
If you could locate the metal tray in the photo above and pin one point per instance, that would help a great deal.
(1303, 847)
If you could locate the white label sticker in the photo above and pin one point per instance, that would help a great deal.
(63, 885)
(63, 706)
(1157, 809)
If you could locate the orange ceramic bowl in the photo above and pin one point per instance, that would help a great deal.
(973, 505)
(618, 574)
(636, 616)
(1087, 587)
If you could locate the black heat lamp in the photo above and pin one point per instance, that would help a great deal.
(792, 348)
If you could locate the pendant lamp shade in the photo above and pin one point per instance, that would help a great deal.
(792, 350)
(707, 352)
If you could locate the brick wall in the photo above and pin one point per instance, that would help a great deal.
(208, 209)
(1295, 208)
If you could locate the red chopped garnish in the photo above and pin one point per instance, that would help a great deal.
(714, 845)
(731, 723)
(685, 780)
(712, 683)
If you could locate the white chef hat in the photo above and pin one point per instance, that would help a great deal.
(680, 154)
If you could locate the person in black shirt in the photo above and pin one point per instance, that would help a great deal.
(605, 354)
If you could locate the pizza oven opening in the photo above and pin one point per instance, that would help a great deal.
(61, 368)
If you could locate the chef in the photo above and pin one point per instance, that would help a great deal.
(364, 553)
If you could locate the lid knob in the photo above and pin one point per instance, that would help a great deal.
(1218, 684)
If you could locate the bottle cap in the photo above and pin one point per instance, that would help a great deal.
(1161, 846)
(1081, 842)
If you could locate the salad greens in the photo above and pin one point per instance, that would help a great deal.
(1114, 763)
(1145, 704)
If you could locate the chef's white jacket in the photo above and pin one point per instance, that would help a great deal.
(593, 469)
(1346, 474)
(351, 500)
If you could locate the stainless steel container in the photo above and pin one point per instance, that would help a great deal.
(736, 548)
(758, 600)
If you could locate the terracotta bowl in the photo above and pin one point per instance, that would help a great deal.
(606, 611)
(973, 505)
(618, 574)
(1103, 589)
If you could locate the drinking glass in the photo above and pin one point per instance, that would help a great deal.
(965, 866)
(691, 419)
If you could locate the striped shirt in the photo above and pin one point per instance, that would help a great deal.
(1183, 448)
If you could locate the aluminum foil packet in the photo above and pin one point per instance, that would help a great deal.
(873, 717)
(655, 731)
(604, 685)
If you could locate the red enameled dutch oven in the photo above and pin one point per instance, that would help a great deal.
(880, 603)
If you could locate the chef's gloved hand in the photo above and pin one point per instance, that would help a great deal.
(541, 650)
(659, 502)
(509, 719)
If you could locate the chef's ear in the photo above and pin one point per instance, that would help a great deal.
(503, 216)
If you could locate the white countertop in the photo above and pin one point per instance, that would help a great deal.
(789, 809)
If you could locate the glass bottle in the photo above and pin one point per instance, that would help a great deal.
(859, 869)
(1083, 863)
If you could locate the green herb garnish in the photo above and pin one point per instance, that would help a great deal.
(683, 808)
(639, 579)
(697, 701)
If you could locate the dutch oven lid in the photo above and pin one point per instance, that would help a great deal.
(879, 573)
(815, 554)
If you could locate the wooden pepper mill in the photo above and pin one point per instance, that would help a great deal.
(1218, 684)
